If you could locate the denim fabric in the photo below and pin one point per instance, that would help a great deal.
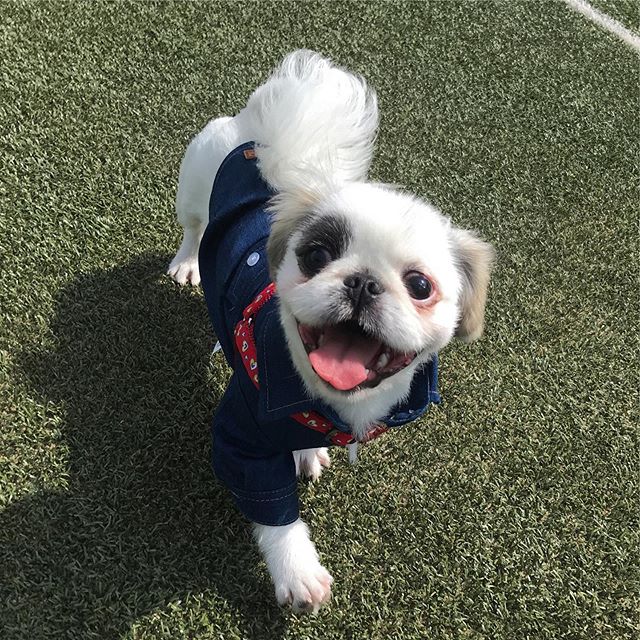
(253, 433)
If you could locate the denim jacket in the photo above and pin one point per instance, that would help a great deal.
(253, 431)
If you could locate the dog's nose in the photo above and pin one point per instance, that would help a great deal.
(362, 289)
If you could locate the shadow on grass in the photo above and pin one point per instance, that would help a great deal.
(143, 522)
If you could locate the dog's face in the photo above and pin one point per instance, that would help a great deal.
(372, 282)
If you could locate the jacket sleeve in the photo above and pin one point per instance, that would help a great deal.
(262, 480)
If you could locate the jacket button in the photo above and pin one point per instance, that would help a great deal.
(253, 259)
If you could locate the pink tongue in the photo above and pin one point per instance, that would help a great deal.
(343, 358)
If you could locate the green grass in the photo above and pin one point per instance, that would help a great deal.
(510, 512)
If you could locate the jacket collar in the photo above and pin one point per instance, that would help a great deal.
(282, 392)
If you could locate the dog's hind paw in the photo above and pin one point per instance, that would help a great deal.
(184, 267)
(185, 271)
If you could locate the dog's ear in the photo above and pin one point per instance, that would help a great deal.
(281, 231)
(474, 259)
(288, 211)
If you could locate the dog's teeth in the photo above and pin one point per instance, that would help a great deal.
(371, 375)
(382, 360)
(321, 340)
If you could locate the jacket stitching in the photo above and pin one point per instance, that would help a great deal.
(266, 373)
(247, 499)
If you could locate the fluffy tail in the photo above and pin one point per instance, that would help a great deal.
(313, 122)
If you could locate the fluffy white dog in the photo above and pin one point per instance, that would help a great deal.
(370, 283)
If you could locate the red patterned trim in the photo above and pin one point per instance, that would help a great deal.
(246, 346)
(244, 333)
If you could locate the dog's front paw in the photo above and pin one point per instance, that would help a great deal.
(299, 578)
(306, 588)
(309, 462)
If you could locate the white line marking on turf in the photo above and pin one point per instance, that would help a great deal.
(606, 22)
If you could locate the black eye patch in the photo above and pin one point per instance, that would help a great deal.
(329, 236)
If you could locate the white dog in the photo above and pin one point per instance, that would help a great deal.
(369, 284)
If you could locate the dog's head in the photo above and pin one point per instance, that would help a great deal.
(372, 282)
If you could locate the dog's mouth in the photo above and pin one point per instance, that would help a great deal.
(348, 358)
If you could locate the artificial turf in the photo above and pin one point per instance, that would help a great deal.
(509, 512)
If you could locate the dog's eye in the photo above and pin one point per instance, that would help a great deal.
(418, 285)
(315, 260)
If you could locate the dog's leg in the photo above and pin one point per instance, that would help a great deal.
(184, 267)
(299, 578)
(309, 462)
(192, 210)
(201, 161)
